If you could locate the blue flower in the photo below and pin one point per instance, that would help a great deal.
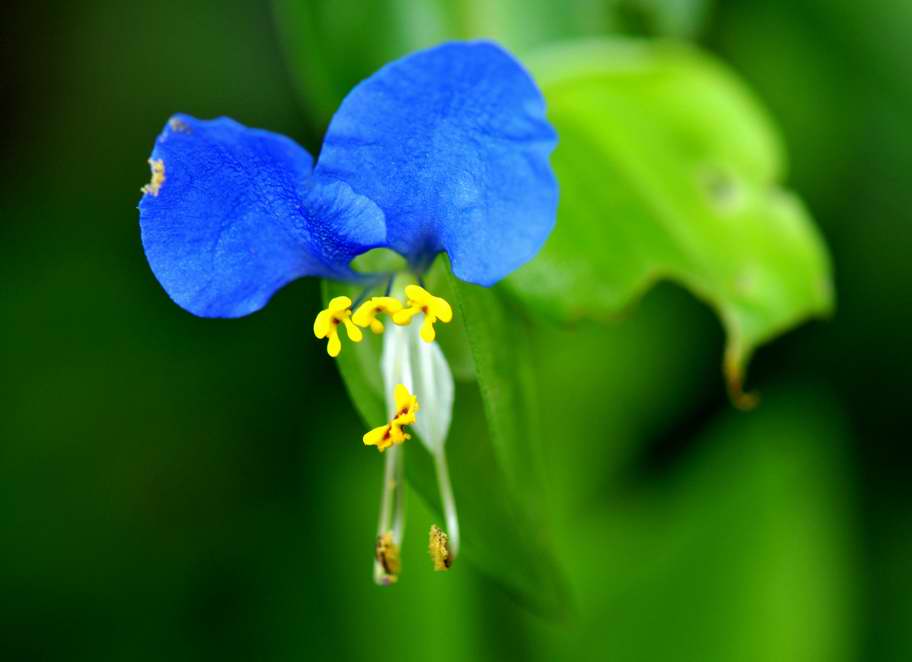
(444, 150)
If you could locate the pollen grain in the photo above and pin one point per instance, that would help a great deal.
(158, 177)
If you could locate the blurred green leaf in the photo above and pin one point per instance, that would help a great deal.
(333, 44)
(619, 385)
(493, 446)
(743, 550)
(669, 169)
(671, 18)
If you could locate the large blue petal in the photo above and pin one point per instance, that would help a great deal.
(452, 143)
(238, 215)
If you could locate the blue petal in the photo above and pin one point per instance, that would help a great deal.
(452, 143)
(238, 215)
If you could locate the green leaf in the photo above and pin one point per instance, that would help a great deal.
(669, 169)
(670, 18)
(740, 551)
(493, 447)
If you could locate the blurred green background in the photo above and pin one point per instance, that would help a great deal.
(180, 488)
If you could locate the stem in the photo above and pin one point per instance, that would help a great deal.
(447, 500)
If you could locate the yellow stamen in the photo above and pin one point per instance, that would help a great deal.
(327, 325)
(385, 436)
(394, 432)
(439, 547)
(435, 309)
(367, 312)
(387, 553)
(406, 406)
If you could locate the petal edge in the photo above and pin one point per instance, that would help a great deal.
(235, 215)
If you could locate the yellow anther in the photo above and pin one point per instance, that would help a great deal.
(421, 301)
(406, 406)
(439, 547)
(327, 324)
(393, 432)
(385, 436)
(367, 312)
(387, 554)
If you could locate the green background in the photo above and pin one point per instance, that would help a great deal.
(179, 488)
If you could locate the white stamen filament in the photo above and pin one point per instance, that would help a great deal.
(423, 369)
(392, 506)
(448, 502)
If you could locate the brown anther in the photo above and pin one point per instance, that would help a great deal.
(439, 547)
(387, 555)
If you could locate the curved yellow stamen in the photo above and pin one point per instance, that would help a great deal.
(367, 312)
(394, 432)
(326, 325)
(435, 309)
(406, 405)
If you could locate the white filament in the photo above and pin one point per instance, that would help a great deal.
(423, 369)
